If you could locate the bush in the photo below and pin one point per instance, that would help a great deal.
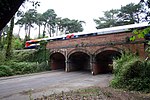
(17, 68)
(39, 55)
(5, 71)
(131, 73)
(43, 66)
(24, 62)
(2, 56)
(2, 73)
(17, 44)
(23, 55)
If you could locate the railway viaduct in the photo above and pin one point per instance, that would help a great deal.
(93, 52)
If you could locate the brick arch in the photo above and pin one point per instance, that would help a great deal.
(79, 59)
(103, 59)
(108, 48)
(57, 60)
(57, 51)
(78, 50)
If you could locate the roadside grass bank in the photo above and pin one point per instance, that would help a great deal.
(97, 93)
(24, 62)
(131, 73)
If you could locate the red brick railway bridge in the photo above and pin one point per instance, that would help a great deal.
(93, 52)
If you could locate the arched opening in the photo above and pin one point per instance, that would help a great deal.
(57, 61)
(104, 61)
(79, 61)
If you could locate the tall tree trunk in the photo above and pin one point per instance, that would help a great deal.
(39, 30)
(26, 32)
(29, 32)
(50, 32)
(9, 39)
(138, 19)
(57, 29)
(1, 39)
(44, 30)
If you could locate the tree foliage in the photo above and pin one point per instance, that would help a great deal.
(51, 23)
(128, 14)
(71, 26)
(27, 19)
(110, 19)
(49, 19)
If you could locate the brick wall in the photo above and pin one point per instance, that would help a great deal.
(94, 43)
(89, 40)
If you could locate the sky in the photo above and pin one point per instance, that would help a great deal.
(85, 10)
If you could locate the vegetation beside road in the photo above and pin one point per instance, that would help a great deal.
(24, 62)
(96, 93)
(131, 73)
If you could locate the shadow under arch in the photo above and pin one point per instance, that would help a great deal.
(79, 61)
(79, 50)
(104, 59)
(108, 48)
(57, 61)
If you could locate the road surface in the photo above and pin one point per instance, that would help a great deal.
(36, 85)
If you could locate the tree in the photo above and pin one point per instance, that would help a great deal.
(27, 19)
(7, 10)
(147, 2)
(19, 15)
(146, 5)
(3, 35)
(130, 14)
(71, 26)
(75, 26)
(39, 22)
(9, 39)
(58, 25)
(0, 39)
(109, 20)
(49, 19)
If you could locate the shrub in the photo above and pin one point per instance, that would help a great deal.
(131, 73)
(5, 70)
(17, 68)
(39, 55)
(17, 43)
(2, 73)
(43, 66)
(2, 57)
(23, 55)
(29, 68)
(25, 61)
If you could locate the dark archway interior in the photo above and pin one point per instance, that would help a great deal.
(104, 61)
(57, 61)
(79, 61)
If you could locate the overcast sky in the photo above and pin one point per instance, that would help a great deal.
(85, 10)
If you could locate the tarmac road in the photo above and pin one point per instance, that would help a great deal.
(36, 85)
